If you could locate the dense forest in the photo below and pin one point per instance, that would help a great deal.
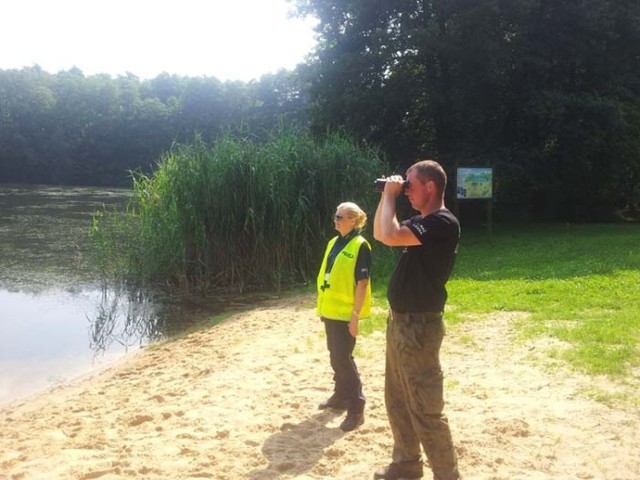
(73, 129)
(546, 92)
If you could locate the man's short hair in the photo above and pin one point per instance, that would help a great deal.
(430, 170)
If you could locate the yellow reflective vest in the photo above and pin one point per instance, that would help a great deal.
(336, 290)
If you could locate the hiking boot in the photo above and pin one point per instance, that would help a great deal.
(400, 471)
(352, 421)
(334, 403)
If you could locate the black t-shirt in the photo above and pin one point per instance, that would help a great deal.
(418, 281)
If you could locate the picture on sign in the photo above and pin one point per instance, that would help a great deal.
(475, 183)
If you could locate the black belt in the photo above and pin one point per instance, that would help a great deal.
(426, 316)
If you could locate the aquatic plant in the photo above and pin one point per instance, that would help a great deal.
(236, 215)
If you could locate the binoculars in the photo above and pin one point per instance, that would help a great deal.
(381, 182)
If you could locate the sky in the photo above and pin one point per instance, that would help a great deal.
(226, 39)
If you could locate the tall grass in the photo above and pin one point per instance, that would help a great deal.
(236, 215)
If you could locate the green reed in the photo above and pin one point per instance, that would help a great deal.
(236, 215)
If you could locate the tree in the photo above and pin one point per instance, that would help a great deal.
(544, 91)
(72, 129)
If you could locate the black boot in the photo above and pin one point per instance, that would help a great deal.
(334, 402)
(400, 470)
(353, 420)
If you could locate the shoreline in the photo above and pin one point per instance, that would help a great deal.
(239, 400)
(40, 381)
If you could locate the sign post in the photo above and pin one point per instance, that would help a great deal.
(475, 183)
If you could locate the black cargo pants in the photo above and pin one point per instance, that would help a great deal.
(341, 344)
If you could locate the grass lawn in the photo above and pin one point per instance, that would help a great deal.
(577, 283)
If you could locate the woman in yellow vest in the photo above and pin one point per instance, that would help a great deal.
(344, 297)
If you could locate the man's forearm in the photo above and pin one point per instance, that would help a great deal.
(388, 222)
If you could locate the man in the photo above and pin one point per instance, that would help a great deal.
(415, 329)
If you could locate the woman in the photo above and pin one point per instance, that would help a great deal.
(344, 297)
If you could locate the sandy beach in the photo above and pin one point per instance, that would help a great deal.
(239, 400)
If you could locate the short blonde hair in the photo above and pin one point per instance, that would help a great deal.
(354, 211)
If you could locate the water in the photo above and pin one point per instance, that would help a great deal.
(57, 319)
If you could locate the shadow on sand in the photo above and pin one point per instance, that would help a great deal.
(297, 448)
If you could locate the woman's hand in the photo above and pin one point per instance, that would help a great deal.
(353, 324)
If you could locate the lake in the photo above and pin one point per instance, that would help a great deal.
(58, 319)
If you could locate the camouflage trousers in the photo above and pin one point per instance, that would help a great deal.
(413, 392)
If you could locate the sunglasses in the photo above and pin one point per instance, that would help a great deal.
(338, 217)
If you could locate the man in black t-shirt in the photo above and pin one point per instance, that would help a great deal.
(415, 329)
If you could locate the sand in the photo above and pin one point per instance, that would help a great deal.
(239, 400)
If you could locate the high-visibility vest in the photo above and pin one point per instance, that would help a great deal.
(336, 290)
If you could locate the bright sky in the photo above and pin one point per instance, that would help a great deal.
(227, 39)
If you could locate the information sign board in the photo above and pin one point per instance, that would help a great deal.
(474, 183)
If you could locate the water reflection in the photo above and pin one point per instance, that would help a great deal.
(44, 339)
(58, 319)
(132, 316)
(126, 317)
(44, 235)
